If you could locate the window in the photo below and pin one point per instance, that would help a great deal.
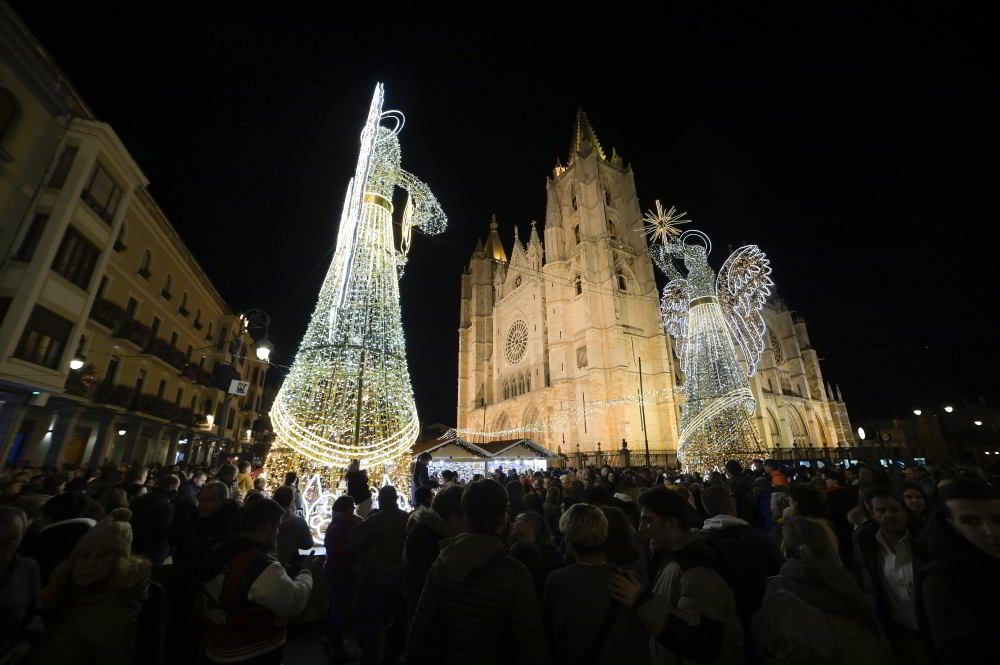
(154, 330)
(229, 420)
(31, 238)
(44, 338)
(179, 398)
(222, 341)
(102, 194)
(111, 373)
(120, 245)
(61, 170)
(576, 234)
(76, 258)
(183, 310)
(622, 281)
(578, 285)
(162, 388)
(139, 381)
(607, 198)
(10, 111)
(4, 306)
(132, 307)
(146, 265)
(197, 320)
(209, 335)
(612, 231)
(188, 354)
(173, 340)
(168, 284)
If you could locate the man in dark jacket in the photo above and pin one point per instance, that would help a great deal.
(61, 527)
(886, 559)
(748, 553)
(442, 520)
(152, 514)
(421, 476)
(478, 604)
(840, 499)
(741, 488)
(379, 541)
(959, 588)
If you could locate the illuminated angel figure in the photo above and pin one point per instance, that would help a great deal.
(710, 318)
(348, 393)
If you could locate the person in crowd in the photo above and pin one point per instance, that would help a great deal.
(423, 496)
(192, 485)
(448, 478)
(430, 526)
(959, 588)
(379, 541)
(531, 544)
(421, 476)
(749, 555)
(584, 624)
(918, 475)
(113, 497)
(814, 611)
(215, 519)
(95, 597)
(152, 514)
(61, 527)
(478, 604)
(135, 482)
(292, 480)
(741, 488)
(341, 574)
(689, 611)
(624, 499)
(839, 499)
(20, 585)
(246, 592)
(919, 514)
(886, 558)
(552, 509)
(227, 475)
(533, 503)
(774, 472)
(624, 548)
(293, 532)
(515, 499)
(244, 481)
(806, 501)
(359, 487)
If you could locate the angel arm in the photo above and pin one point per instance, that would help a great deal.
(427, 213)
(662, 256)
(674, 311)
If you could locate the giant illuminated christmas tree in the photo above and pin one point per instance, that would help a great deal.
(708, 318)
(348, 394)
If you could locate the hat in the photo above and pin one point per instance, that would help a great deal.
(113, 533)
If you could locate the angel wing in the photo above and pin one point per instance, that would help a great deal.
(674, 311)
(743, 287)
(426, 214)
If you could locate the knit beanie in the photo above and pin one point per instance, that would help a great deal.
(113, 533)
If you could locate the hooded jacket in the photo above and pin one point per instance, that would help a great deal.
(422, 547)
(478, 606)
(816, 613)
(959, 592)
(379, 541)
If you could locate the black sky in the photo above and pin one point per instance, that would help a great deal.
(857, 147)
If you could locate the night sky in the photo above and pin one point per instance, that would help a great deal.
(857, 148)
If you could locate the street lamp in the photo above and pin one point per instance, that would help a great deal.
(861, 433)
(949, 409)
(264, 348)
(77, 362)
(977, 423)
(917, 412)
(122, 432)
(257, 319)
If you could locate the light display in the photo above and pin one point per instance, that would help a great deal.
(708, 318)
(348, 393)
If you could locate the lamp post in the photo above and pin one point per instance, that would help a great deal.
(251, 319)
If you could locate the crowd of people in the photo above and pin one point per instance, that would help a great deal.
(767, 564)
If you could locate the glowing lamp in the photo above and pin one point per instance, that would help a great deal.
(210, 419)
(861, 433)
(977, 423)
(264, 348)
(76, 363)
(949, 409)
(122, 432)
(917, 412)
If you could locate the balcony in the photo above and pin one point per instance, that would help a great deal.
(108, 314)
(162, 349)
(183, 311)
(97, 207)
(115, 394)
(133, 331)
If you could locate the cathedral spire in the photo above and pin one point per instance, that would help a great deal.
(584, 139)
(533, 239)
(494, 247)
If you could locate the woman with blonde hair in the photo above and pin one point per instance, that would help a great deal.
(814, 611)
(95, 597)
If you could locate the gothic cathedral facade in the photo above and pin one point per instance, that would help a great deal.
(558, 340)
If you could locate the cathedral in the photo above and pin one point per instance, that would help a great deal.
(561, 341)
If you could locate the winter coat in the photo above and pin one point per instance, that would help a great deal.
(815, 613)
(421, 478)
(341, 556)
(741, 487)
(293, 535)
(247, 598)
(540, 559)
(749, 556)
(193, 544)
(20, 586)
(94, 626)
(54, 542)
(152, 514)
(379, 541)
(959, 591)
(358, 486)
(422, 547)
(478, 606)
(690, 611)
(869, 571)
